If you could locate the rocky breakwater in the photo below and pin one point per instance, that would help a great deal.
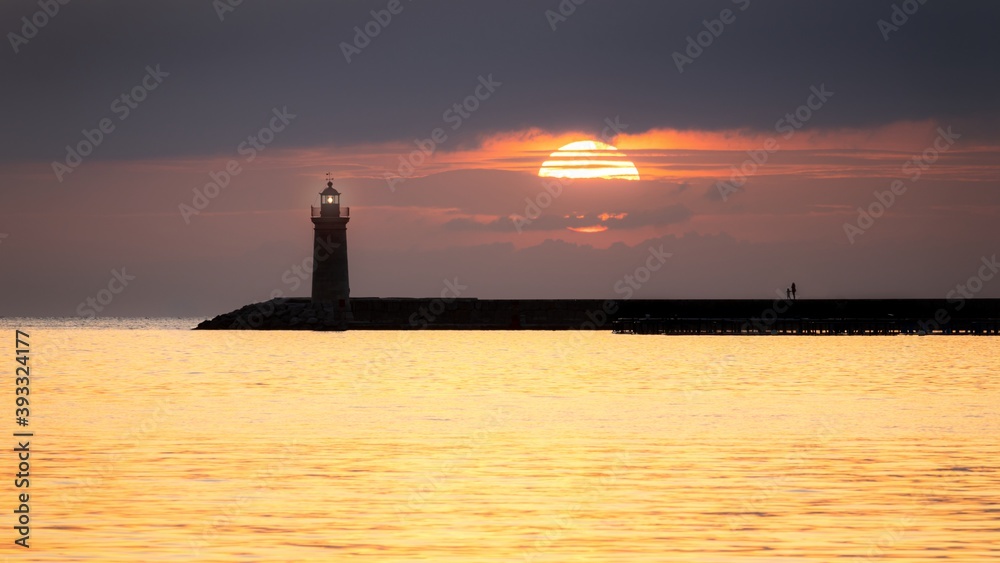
(280, 314)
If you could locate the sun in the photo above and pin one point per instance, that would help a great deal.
(589, 159)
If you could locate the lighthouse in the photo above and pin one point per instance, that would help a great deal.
(330, 283)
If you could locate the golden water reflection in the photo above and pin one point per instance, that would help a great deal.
(169, 445)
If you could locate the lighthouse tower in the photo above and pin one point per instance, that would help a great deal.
(330, 284)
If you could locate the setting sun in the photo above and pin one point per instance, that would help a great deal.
(589, 159)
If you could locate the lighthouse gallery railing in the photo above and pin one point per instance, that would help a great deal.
(344, 211)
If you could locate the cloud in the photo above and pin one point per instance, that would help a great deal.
(226, 76)
(575, 220)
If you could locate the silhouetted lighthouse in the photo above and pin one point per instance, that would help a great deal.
(331, 284)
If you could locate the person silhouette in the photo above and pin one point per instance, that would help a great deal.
(793, 291)
(788, 293)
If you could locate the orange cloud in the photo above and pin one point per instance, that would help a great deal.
(662, 155)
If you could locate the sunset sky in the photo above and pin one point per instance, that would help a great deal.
(819, 103)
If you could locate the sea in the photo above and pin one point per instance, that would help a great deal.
(152, 442)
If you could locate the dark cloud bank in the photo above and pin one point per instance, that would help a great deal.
(606, 59)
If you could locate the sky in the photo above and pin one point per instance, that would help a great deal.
(162, 156)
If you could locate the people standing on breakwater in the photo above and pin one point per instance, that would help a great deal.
(793, 291)
(788, 293)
